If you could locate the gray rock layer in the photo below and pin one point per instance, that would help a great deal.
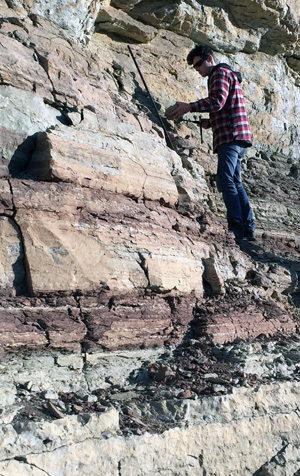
(136, 337)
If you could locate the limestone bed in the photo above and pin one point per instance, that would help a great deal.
(137, 338)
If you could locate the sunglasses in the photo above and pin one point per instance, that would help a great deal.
(198, 63)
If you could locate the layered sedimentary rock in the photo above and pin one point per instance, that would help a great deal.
(70, 443)
(136, 336)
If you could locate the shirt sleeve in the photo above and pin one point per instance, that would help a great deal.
(219, 85)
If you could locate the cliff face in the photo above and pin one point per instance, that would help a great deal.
(120, 286)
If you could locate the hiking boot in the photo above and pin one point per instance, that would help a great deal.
(237, 230)
(249, 235)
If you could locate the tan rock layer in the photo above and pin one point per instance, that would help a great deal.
(105, 162)
(79, 238)
(117, 21)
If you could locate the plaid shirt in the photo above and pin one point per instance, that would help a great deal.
(226, 106)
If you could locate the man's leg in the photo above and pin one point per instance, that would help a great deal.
(228, 156)
(246, 212)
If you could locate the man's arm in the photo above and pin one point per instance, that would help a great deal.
(219, 90)
(182, 109)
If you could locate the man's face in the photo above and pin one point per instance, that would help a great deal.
(201, 66)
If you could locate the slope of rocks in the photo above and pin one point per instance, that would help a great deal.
(132, 324)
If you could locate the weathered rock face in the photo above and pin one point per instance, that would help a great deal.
(259, 423)
(76, 18)
(128, 313)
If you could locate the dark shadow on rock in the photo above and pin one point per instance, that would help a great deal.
(115, 36)
(19, 266)
(141, 96)
(20, 159)
(64, 119)
(259, 254)
(22, 156)
(64, 116)
(278, 461)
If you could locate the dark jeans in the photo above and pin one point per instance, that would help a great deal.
(236, 200)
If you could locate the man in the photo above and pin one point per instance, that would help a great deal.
(231, 134)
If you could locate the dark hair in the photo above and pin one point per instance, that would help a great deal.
(199, 50)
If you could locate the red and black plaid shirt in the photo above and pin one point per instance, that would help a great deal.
(226, 106)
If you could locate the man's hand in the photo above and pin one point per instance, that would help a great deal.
(182, 108)
(205, 123)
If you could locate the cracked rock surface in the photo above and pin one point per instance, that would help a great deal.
(136, 336)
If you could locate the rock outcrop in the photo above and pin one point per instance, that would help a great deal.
(132, 325)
